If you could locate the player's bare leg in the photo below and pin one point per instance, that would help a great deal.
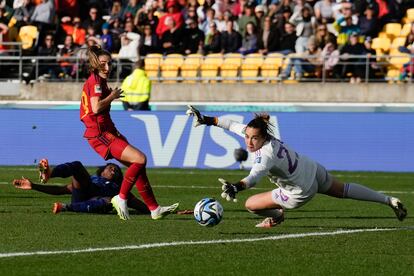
(263, 205)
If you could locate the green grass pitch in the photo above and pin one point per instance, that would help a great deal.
(309, 242)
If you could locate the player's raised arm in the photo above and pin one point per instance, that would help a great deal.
(200, 119)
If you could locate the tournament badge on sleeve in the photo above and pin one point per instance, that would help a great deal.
(98, 89)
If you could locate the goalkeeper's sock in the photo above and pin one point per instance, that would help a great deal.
(274, 213)
(130, 177)
(145, 190)
(90, 206)
(359, 192)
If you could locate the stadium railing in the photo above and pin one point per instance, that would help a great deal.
(387, 68)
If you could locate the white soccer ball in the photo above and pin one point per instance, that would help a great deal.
(208, 212)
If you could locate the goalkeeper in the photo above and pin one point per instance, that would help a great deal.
(90, 194)
(298, 178)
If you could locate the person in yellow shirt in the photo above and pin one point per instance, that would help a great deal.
(137, 89)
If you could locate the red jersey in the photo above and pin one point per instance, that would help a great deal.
(95, 124)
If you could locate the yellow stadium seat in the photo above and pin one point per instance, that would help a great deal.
(170, 67)
(406, 29)
(250, 67)
(410, 15)
(271, 65)
(210, 67)
(152, 66)
(396, 43)
(397, 61)
(392, 75)
(381, 45)
(230, 67)
(190, 67)
(382, 35)
(28, 35)
(392, 29)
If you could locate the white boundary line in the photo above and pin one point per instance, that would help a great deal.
(181, 243)
(217, 187)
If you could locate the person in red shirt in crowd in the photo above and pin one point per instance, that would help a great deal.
(106, 140)
(74, 29)
(172, 11)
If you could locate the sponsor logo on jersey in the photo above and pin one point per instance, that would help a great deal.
(98, 89)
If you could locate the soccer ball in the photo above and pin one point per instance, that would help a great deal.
(208, 212)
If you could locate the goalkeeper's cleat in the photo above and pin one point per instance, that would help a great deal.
(399, 209)
(120, 205)
(58, 207)
(44, 171)
(271, 222)
(163, 211)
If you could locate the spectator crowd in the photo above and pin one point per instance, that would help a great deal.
(133, 28)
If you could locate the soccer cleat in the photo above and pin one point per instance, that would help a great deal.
(44, 171)
(399, 209)
(163, 211)
(58, 207)
(120, 205)
(271, 222)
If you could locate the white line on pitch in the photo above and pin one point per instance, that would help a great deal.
(181, 243)
(217, 187)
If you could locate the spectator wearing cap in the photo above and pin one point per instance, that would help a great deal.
(173, 12)
(78, 33)
(368, 22)
(260, 12)
(193, 38)
(149, 42)
(93, 20)
(212, 42)
(231, 40)
(106, 37)
(324, 12)
(269, 37)
(248, 16)
(374, 68)
(353, 65)
(280, 19)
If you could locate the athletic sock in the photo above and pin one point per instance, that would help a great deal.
(130, 177)
(145, 190)
(274, 213)
(89, 206)
(359, 192)
(62, 170)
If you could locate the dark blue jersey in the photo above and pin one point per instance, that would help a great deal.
(104, 187)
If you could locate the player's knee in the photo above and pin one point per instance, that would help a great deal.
(77, 165)
(250, 205)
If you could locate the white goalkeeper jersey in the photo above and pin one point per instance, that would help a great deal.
(284, 167)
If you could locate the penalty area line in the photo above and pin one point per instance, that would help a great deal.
(205, 242)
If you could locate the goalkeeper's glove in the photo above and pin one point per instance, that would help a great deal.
(200, 119)
(230, 190)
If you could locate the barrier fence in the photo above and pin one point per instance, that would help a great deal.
(228, 68)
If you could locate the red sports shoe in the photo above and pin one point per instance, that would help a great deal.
(58, 207)
(271, 222)
(44, 171)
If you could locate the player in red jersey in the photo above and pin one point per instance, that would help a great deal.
(106, 140)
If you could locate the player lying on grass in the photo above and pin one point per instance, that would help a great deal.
(298, 177)
(90, 193)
